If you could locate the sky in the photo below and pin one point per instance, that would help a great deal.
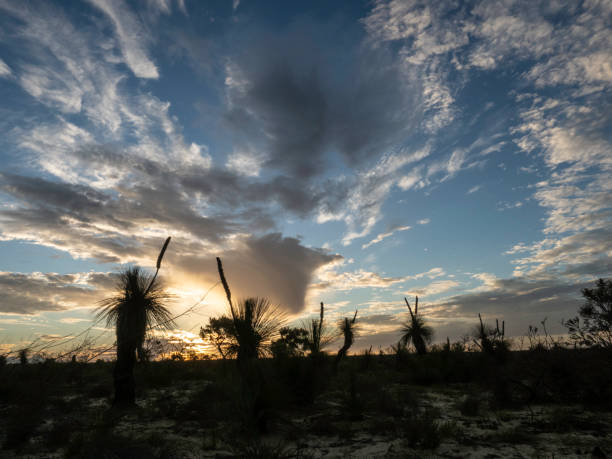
(348, 152)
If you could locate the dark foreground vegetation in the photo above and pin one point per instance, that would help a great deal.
(275, 392)
(402, 405)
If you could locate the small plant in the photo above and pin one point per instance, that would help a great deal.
(258, 449)
(422, 430)
(366, 358)
(491, 341)
(400, 352)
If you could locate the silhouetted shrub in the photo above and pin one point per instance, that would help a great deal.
(423, 430)
(258, 449)
(596, 313)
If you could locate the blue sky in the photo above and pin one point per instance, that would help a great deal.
(346, 152)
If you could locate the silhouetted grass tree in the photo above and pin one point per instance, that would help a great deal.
(137, 307)
(491, 340)
(416, 331)
(23, 356)
(596, 313)
(255, 322)
(347, 328)
(318, 334)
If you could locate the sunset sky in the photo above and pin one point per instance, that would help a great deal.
(346, 152)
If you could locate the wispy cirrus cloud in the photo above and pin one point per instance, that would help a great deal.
(5, 70)
(132, 37)
(383, 236)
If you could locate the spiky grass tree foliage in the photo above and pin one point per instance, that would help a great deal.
(347, 327)
(491, 340)
(416, 331)
(138, 306)
(255, 322)
(318, 334)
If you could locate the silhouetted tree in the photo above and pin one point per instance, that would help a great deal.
(596, 313)
(416, 331)
(137, 307)
(291, 342)
(219, 332)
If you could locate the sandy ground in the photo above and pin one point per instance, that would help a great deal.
(529, 432)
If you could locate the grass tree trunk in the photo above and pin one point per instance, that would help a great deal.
(419, 345)
(123, 374)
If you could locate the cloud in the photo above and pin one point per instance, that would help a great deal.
(434, 288)
(501, 206)
(519, 301)
(272, 266)
(36, 292)
(424, 221)
(431, 274)
(576, 194)
(243, 163)
(328, 278)
(5, 70)
(356, 279)
(287, 96)
(363, 205)
(382, 236)
(474, 189)
(132, 37)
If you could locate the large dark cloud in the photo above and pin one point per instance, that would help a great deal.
(299, 95)
(272, 266)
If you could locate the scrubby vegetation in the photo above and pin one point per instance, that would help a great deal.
(275, 392)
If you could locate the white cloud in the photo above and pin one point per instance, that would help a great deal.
(245, 163)
(364, 204)
(132, 37)
(5, 70)
(434, 288)
(474, 189)
(383, 236)
(504, 205)
(424, 221)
